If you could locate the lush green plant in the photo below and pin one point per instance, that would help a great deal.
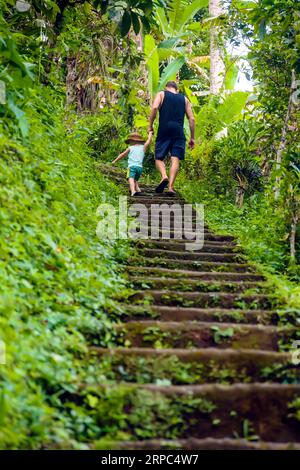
(107, 135)
(171, 51)
(131, 13)
(58, 279)
(59, 283)
(236, 158)
(264, 243)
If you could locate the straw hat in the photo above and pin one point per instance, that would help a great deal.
(135, 137)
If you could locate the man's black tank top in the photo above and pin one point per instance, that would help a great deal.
(171, 116)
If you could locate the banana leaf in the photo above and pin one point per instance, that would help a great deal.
(170, 72)
(152, 62)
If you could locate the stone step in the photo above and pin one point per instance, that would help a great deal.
(196, 366)
(181, 242)
(267, 412)
(205, 382)
(189, 334)
(170, 206)
(208, 266)
(189, 224)
(208, 247)
(155, 231)
(151, 201)
(170, 231)
(148, 198)
(195, 285)
(202, 300)
(180, 314)
(165, 235)
(194, 444)
(189, 255)
(186, 274)
(184, 235)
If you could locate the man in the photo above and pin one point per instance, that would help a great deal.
(172, 107)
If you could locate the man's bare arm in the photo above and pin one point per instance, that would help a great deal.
(155, 107)
(190, 115)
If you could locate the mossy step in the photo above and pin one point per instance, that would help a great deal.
(195, 265)
(110, 170)
(170, 230)
(192, 265)
(194, 285)
(188, 334)
(167, 230)
(120, 180)
(187, 274)
(147, 198)
(170, 245)
(195, 366)
(208, 236)
(157, 232)
(189, 255)
(268, 412)
(202, 300)
(174, 236)
(193, 444)
(181, 314)
(171, 206)
(156, 217)
(182, 241)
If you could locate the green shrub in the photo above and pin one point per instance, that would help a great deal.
(107, 135)
(58, 281)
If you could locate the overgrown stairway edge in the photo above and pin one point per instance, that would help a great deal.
(252, 399)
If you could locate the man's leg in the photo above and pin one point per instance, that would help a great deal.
(161, 150)
(161, 167)
(173, 172)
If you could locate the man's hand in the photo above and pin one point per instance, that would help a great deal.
(192, 143)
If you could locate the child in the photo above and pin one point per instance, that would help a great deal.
(136, 153)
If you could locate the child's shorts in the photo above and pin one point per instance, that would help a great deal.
(135, 172)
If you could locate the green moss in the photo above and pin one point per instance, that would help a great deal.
(141, 414)
(170, 370)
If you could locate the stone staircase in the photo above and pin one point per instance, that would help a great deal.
(201, 357)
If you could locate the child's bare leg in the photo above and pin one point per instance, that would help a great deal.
(132, 186)
(137, 188)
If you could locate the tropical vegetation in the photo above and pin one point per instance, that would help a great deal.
(75, 78)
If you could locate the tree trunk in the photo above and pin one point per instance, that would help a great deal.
(295, 221)
(71, 80)
(241, 189)
(217, 68)
(294, 226)
(285, 129)
(240, 194)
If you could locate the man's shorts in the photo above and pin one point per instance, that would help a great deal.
(135, 172)
(165, 146)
